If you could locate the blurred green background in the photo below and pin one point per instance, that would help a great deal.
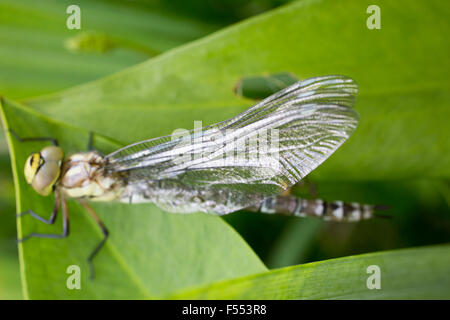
(34, 60)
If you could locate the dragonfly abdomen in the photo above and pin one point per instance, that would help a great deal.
(326, 210)
(173, 196)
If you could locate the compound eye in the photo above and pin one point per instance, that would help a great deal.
(52, 153)
(32, 165)
(46, 177)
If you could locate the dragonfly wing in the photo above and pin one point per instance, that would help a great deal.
(264, 150)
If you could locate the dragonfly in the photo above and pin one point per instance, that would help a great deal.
(202, 171)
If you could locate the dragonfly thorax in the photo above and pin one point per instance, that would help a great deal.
(83, 175)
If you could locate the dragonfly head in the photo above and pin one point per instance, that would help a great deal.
(42, 169)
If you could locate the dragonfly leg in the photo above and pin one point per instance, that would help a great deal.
(102, 242)
(53, 216)
(28, 139)
(90, 145)
(65, 232)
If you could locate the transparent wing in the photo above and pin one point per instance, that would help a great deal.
(265, 149)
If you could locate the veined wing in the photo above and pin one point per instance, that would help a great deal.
(266, 149)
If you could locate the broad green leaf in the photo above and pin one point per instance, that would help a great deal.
(402, 70)
(150, 253)
(419, 273)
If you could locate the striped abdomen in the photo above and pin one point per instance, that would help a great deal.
(332, 210)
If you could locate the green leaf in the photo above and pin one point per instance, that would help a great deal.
(150, 253)
(403, 100)
(419, 273)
